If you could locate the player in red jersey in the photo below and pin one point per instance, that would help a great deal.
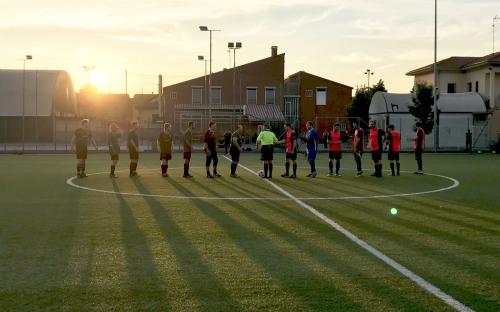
(165, 142)
(334, 140)
(376, 143)
(290, 142)
(393, 144)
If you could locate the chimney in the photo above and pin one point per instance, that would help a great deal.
(274, 51)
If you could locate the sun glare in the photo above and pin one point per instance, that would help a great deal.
(98, 78)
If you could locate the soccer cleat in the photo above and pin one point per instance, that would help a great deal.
(210, 176)
(83, 175)
(330, 174)
(112, 175)
(234, 175)
(284, 175)
(187, 176)
(398, 174)
(293, 176)
(165, 175)
(359, 174)
(309, 175)
(217, 175)
(338, 175)
(314, 174)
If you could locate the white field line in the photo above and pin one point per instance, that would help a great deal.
(71, 182)
(387, 260)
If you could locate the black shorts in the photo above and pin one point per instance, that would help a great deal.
(213, 156)
(418, 154)
(81, 152)
(376, 155)
(393, 156)
(165, 156)
(266, 153)
(235, 155)
(291, 156)
(133, 153)
(114, 156)
(335, 155)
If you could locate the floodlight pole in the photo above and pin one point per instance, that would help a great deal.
(369, 73)
(234, 46)
(205, 28)
(27, 57)
(436, 86)
(495, 19)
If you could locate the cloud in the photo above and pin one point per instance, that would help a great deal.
(356, 57)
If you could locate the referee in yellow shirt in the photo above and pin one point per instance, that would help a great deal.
(267, 139)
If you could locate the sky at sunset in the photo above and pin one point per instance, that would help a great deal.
(335, 39)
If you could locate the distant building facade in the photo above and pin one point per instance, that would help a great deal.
(468, 74)
(37, 96)
(146, 109)
(251, 94)
(310, 97)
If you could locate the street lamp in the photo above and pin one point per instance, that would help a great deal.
(26, 58)
(234, 46)
(201, 58)
(205, 28)
(369, 73)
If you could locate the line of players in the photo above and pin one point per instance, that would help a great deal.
(266, 141)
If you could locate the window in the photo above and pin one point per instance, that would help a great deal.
(308, 93)
(251, 95)
(196, 95)
(216, 95)
(469, 86)
(173, 95)
(452, 88)
(270, 95)
(477, 86)
(320, 96)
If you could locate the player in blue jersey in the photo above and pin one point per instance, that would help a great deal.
(312, 148)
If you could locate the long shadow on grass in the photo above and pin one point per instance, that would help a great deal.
(325, 257)
(456, 260)
(314, 290)
(204, 284)
(459, 211)
(409, 205)
(145, 284)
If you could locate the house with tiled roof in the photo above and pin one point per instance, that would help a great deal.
(468, 74)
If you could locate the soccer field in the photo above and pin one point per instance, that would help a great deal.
(226, 244)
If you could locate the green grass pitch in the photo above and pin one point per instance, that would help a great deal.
(219, 245)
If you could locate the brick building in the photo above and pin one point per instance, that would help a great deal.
(250, 94)
(309, 97)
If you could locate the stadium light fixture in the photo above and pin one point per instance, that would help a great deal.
(369, 73)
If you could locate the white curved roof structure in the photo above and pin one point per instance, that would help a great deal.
(384, 103)
(45, 92)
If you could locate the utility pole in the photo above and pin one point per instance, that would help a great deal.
(436, 86)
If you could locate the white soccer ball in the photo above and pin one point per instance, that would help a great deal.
(261, 173)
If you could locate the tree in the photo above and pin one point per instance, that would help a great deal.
(422, 108)
(360, 105)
